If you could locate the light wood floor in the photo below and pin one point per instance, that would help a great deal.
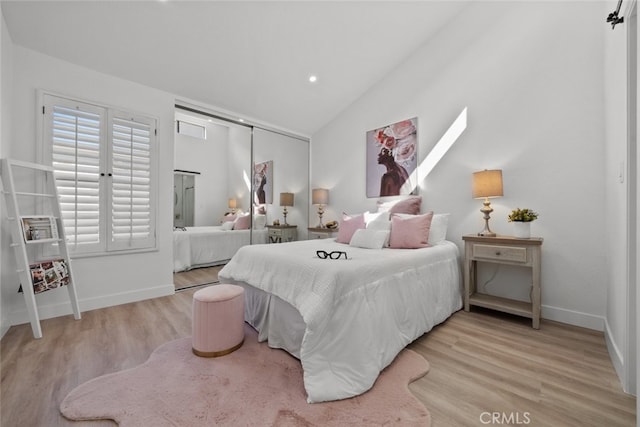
(480, 362)
(196, 277)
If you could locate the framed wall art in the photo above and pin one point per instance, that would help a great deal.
(263, 183)
(392, 159)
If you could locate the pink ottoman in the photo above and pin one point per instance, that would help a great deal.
(218, 320)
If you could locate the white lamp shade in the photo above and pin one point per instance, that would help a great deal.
(319, 196)
(487, 183)
(286, 199)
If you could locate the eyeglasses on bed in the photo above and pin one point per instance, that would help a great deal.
(331, 255)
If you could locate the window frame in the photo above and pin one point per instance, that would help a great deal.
(106, 244)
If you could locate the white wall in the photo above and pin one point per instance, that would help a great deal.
(107, 280)
(530, 76)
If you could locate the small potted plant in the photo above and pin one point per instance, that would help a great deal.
(521, 219)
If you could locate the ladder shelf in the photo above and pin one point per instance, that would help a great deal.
(34, 230)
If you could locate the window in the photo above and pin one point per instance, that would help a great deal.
(191, 129)
(104, 166)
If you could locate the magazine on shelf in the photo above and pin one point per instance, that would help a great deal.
(50, 274)
(39, 228)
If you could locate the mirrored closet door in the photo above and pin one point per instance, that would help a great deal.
(235, 180)
(281, 181)
(183, 199)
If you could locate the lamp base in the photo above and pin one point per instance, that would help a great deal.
(320, 213)
(486, 210)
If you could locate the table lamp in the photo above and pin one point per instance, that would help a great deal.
(286, 199)
(232, 205)
(487, 184)
(320, 197)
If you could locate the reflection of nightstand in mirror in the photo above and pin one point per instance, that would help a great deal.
(282, 233)
(322, 233)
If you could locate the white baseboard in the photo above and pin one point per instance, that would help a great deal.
(575, 318)
(615, 354)
(5, 324)
(63, 309)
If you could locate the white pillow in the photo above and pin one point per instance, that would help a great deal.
(369, 238)
(377, 220)
(438, 231)
(227, 225)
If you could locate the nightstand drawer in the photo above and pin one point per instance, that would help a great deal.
(281, 233)
(504, 253)
(274, 232)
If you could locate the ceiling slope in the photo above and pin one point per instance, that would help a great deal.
(251, 58)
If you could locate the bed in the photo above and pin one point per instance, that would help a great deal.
(345, 320)
(195, 247)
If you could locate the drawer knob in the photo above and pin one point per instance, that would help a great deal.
(497, 253)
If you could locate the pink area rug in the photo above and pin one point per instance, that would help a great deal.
(253, 386)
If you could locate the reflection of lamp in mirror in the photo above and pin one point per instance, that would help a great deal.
(487, 184)
(232, 205)
(320, 197)
(286, 199)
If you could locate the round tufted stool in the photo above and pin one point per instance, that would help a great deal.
(217, 320)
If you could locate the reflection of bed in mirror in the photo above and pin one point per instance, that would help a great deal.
(195, 247)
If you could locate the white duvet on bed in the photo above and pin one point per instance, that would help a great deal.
(202, 246)
(359, 313)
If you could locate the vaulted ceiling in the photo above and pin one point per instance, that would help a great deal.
(250, 58)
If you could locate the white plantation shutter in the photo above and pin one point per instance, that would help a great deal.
(132, 222)
(75, 132)
(104, 170)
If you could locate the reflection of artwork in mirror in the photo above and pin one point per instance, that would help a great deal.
(263, 183)
(392, 159)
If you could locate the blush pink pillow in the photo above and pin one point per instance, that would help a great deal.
(348, 226)
(242, 223)
(410, 232)
(410, 205)
(229, 218)
(407, 206)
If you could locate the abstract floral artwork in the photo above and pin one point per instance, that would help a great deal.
(392, 159)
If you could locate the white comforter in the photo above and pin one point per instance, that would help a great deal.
(359, 313)
(201, 246)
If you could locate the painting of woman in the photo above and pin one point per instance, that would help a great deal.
(392, 159)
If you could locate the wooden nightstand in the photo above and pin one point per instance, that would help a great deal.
(322, 233)
(282, 233)
(503, 250)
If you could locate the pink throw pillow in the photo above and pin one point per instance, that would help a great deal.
(410, 205)
(348, 226)
(410, 232)
(243, 222)
(407, 206)
(228, 218)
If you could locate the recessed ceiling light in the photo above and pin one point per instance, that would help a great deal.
(241, 120)
(313, 78)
